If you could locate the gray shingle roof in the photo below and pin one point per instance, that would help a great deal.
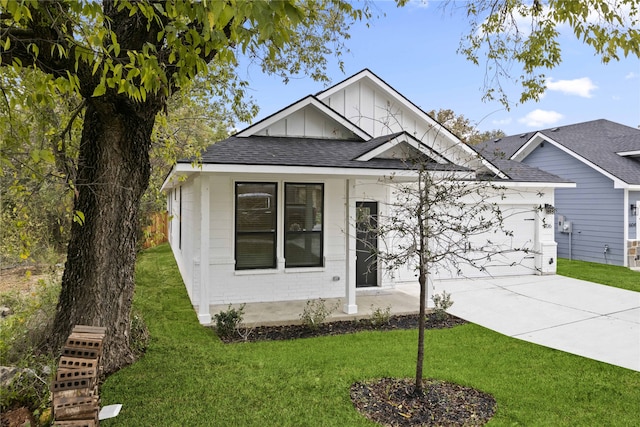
(597, 141)
(502, 148)
(522, 172)
(311, 152)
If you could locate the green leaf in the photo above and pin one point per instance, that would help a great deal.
(78, 217)
(95, 67)
(100, 90)
(34, 48)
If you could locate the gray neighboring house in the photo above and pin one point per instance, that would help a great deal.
(597, 220)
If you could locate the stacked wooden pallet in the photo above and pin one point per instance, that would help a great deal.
(75, 391)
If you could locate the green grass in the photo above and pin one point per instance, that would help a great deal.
(189, 378)
(611, 275)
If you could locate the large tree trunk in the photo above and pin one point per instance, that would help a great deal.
(113, 173)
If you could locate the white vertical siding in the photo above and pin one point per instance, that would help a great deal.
(380, 113)
(307, 122)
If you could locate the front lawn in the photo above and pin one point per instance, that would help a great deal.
(611, 275)
(190, 378)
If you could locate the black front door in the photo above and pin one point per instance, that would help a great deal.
(366, 244)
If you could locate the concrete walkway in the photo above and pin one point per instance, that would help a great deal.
(583, 318)
(579, 317)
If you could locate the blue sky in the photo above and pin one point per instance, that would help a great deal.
(414, 48)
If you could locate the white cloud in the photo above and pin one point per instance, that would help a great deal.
(502, 122)
(631, 75)
(580, 87)
(541, 118)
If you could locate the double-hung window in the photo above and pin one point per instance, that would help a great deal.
(256, 217)
(303, 223)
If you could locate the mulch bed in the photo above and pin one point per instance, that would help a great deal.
(393, 401)
(288, 332)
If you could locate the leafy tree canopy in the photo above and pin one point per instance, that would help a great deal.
(55, 55)
(519, 40)
(35, 201)
(91, 48)
(463, 128)
(118, 63)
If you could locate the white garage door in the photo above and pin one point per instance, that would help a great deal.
(504, 255)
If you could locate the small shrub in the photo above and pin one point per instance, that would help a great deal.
(139, 337)
(442, 303)
(228, 321)
(315, 312)
(380, 316)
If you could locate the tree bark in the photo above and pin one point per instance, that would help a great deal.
(113, 173)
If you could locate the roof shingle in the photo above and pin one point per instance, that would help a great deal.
(313, 152)
(597, 141)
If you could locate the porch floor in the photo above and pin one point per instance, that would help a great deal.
(288, 312)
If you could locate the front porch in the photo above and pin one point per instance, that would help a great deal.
(288, 312)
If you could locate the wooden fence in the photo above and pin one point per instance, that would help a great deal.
(157, 232)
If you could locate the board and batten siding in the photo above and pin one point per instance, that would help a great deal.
(307, 122)
(378, 113)
(594, 208)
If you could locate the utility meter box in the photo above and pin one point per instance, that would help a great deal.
(564, 226)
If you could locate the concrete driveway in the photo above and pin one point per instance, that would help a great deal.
(591, 320)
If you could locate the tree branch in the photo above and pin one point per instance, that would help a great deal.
(43, 32)
(64, 163)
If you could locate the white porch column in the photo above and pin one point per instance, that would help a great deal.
(350, 306)
(204, 316)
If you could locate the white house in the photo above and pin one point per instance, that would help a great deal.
(270, 214)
